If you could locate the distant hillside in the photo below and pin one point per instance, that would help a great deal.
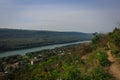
(11, 39)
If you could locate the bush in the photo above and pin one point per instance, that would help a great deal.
(114, 37)
(103, 59)
(100, 74)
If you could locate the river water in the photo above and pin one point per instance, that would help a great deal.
(24, 51)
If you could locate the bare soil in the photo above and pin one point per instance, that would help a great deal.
(115, 66)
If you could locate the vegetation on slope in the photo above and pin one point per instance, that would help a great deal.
(68, 66)
(11, 39)
(114, 42)
(76, 62)
(65, 67)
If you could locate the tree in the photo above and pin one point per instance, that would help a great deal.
(114, 37)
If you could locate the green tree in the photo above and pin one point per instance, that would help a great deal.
(114, 37)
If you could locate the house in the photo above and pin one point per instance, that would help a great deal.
(36, 60)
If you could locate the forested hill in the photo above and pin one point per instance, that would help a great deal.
(11, 39)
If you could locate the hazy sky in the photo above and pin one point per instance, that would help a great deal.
(60, 15)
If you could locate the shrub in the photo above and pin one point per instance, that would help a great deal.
(100, 74)
(103, 59)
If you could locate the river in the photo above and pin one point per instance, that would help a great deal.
(24, 51)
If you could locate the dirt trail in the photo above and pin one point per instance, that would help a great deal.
(115, 66)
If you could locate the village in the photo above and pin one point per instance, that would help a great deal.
(12, 63)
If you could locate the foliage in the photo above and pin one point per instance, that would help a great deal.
(67, 67)
(96, 38)
(103, 59)
(11, 39)
(100, 40)
(100, 74)
(114, 37)
(70, 66)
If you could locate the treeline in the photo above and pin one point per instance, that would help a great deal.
(11, 39)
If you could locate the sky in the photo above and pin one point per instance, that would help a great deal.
(60, 15)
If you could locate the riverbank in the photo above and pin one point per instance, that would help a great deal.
(24, 51)
(38, 45)
(12, 39)
(12, 63)
(59, 63)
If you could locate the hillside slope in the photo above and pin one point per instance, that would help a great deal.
(11, 39)
(97, 60)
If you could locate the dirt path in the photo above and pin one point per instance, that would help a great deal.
(115, 66)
